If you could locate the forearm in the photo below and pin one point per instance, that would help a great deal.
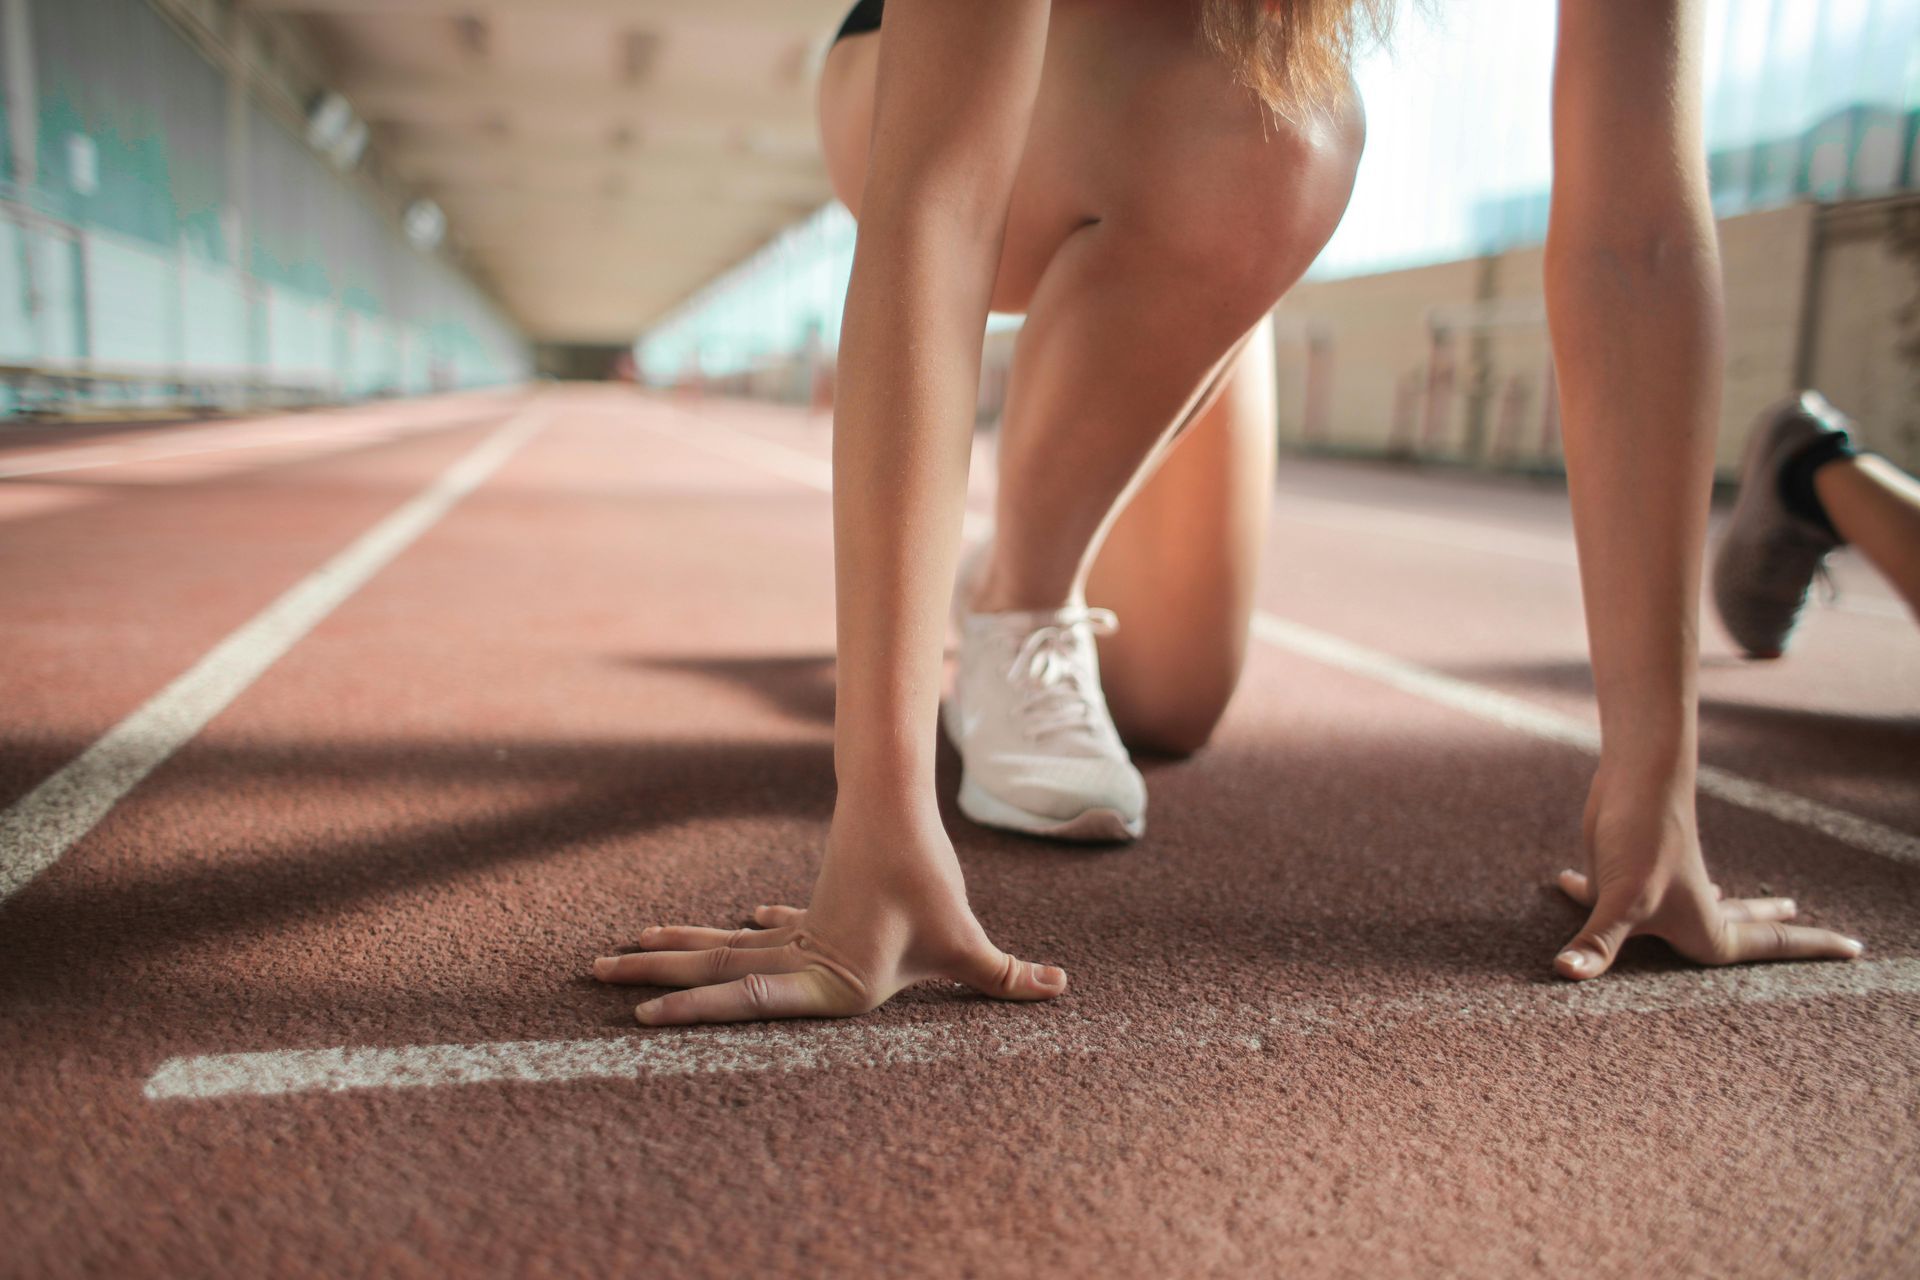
(1638, 352)
(910, 365)
(1633, 295)
(952, 105)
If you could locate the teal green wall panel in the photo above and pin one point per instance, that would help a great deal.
(121, 251)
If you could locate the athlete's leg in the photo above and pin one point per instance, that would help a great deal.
(1196, 217)
(1139, 348)
(1158, 218)
(1876, 506)
(1144, 243)
(1180, 562)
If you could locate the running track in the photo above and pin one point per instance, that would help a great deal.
(335, 745)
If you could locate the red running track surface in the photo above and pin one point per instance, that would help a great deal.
(311, 996)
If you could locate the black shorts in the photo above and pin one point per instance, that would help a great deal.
(864, 18)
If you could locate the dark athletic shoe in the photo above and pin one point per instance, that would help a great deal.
(1768, 557)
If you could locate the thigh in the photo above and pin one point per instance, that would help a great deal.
(845, 113)
(1050, 197)
(1135, 123)
(1181, 564)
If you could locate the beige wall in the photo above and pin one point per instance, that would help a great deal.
(1452, 361)
(1864, 347)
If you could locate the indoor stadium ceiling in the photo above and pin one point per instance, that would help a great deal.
(597, 160)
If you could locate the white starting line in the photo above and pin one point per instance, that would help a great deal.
(1037, 1031)
(339, 432)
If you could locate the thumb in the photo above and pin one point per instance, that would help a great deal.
(1592, 951)
(993, 972)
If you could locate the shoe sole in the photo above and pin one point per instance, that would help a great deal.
(1094, 826)
(1101, 825)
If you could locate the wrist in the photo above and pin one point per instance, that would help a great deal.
(1651, 735)
(884, 778)
(1646, 766)
(884, 789)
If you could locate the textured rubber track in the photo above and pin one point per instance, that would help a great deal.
(312, 998)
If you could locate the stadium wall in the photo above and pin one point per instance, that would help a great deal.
(167, 234)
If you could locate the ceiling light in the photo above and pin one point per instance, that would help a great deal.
(424, 224)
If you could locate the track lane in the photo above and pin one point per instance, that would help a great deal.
(43, 824)
(597, 696)
(109, 601)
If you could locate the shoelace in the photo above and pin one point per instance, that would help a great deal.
(1825, 587)
(1047, 668)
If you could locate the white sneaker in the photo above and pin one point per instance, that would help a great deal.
(1038, 749)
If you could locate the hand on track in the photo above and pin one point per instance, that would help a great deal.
(1646, 876)
(886, 913)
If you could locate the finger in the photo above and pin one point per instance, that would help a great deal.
(1592, 951)
(1715, 889)
(695, 968)
(1737, 910)
(1576, 886)
(685, 937)
(1771, 940)
(995, 973)
(773, 917)
(812, 993)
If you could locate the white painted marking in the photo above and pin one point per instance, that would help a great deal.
(341, 434)
(1524, 717)
(47, 821)
(1487, 539)
(1357, 517)
(1460, 695)
(1866, 607)
(738, 446)
(854, 1045)
(1632, 994)
(804, 1047)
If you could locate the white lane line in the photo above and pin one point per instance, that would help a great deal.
(1461, 695)
(43, 824)
(1358, 517)
(1626, 994)
(1524, 717)
(855, 1045)
(738, 446)
(344, 435)
(1487, 539)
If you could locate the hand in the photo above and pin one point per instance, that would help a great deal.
(889, 909)
(1646, 876)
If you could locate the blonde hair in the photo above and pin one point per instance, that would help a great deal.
(1295, 54)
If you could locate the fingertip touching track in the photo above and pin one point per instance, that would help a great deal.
(336, 745)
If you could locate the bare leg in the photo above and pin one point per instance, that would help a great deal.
(1144, 246)
(1876, 507)
(1121, 348)
(1180, 562)
(1139, 423)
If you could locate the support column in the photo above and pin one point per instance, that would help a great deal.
(237, 217)
(23, 94)
(23, 137)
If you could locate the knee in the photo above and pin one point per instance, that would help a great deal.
(1248, 230)
(1171, 729)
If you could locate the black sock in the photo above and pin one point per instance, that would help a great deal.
(1796, 479)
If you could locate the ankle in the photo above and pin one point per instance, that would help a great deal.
(1799, 475)
(998, 591)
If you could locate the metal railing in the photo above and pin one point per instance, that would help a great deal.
(89, 318)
